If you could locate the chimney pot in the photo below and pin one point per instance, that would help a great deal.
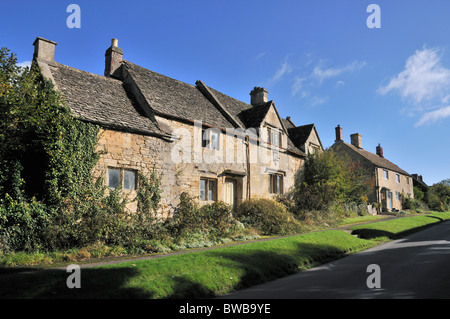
(338, 133)
(258, 96)
(380, 151)
(356, 140)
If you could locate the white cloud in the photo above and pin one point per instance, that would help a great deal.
(426, 83)
(317, 100)
(434, 116)
(323, 74)
(284, 68)
(423, 78)
(259, 56)
(298, 86)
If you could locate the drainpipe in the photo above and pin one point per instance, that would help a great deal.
(377, 188)
(247, 144)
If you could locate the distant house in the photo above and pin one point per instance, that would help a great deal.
(419, 183)
(390, 181)
(199, 140)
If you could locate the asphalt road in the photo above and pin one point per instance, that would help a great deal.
(416, 266)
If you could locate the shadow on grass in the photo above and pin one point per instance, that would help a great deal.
(257, 267)
(254, 267)
(368, 233)
(96, 283)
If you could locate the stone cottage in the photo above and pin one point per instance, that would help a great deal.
(197, 139)
(390, 181)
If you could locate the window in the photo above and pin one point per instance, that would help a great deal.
(273, 136)
(385, 174)
(397, 178)
(211, 139)
(397, 196)
(215, 140)
(275, 184)
(208, 189)
(122, 178)
(113, 177)
(129, 179)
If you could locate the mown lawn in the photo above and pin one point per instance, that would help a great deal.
(204, 274)
(392, 229)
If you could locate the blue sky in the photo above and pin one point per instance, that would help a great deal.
(318, 59)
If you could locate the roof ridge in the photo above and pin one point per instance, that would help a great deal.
(126, 62)
(87, 72)
(400, 170)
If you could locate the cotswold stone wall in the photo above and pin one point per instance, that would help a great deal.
(182, 161)
(142, 154)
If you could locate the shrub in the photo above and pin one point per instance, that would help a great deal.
(22, 224)
(267, 216)
(217, 217)
(328, 178)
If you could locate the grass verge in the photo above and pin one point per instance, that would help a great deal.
(396, 228)
(205, 274)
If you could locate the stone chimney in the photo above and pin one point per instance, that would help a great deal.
(289, 119)
(44, 50)
(356, 140)
(258, 96)
(113, 59)
(380, 151)
(338, 133)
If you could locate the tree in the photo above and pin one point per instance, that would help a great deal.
(46, 159)
(45, 151)
(438, 196)
(330, 178)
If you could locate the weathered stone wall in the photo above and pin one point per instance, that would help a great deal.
(182, 161)
(142, 154)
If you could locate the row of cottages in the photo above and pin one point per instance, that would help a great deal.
(390, 181)
(197, 139)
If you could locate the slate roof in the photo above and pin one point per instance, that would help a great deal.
(300, 134)
(254, 116)
(372, 158)
(101, 100)
(109, 101)
(174, 98)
